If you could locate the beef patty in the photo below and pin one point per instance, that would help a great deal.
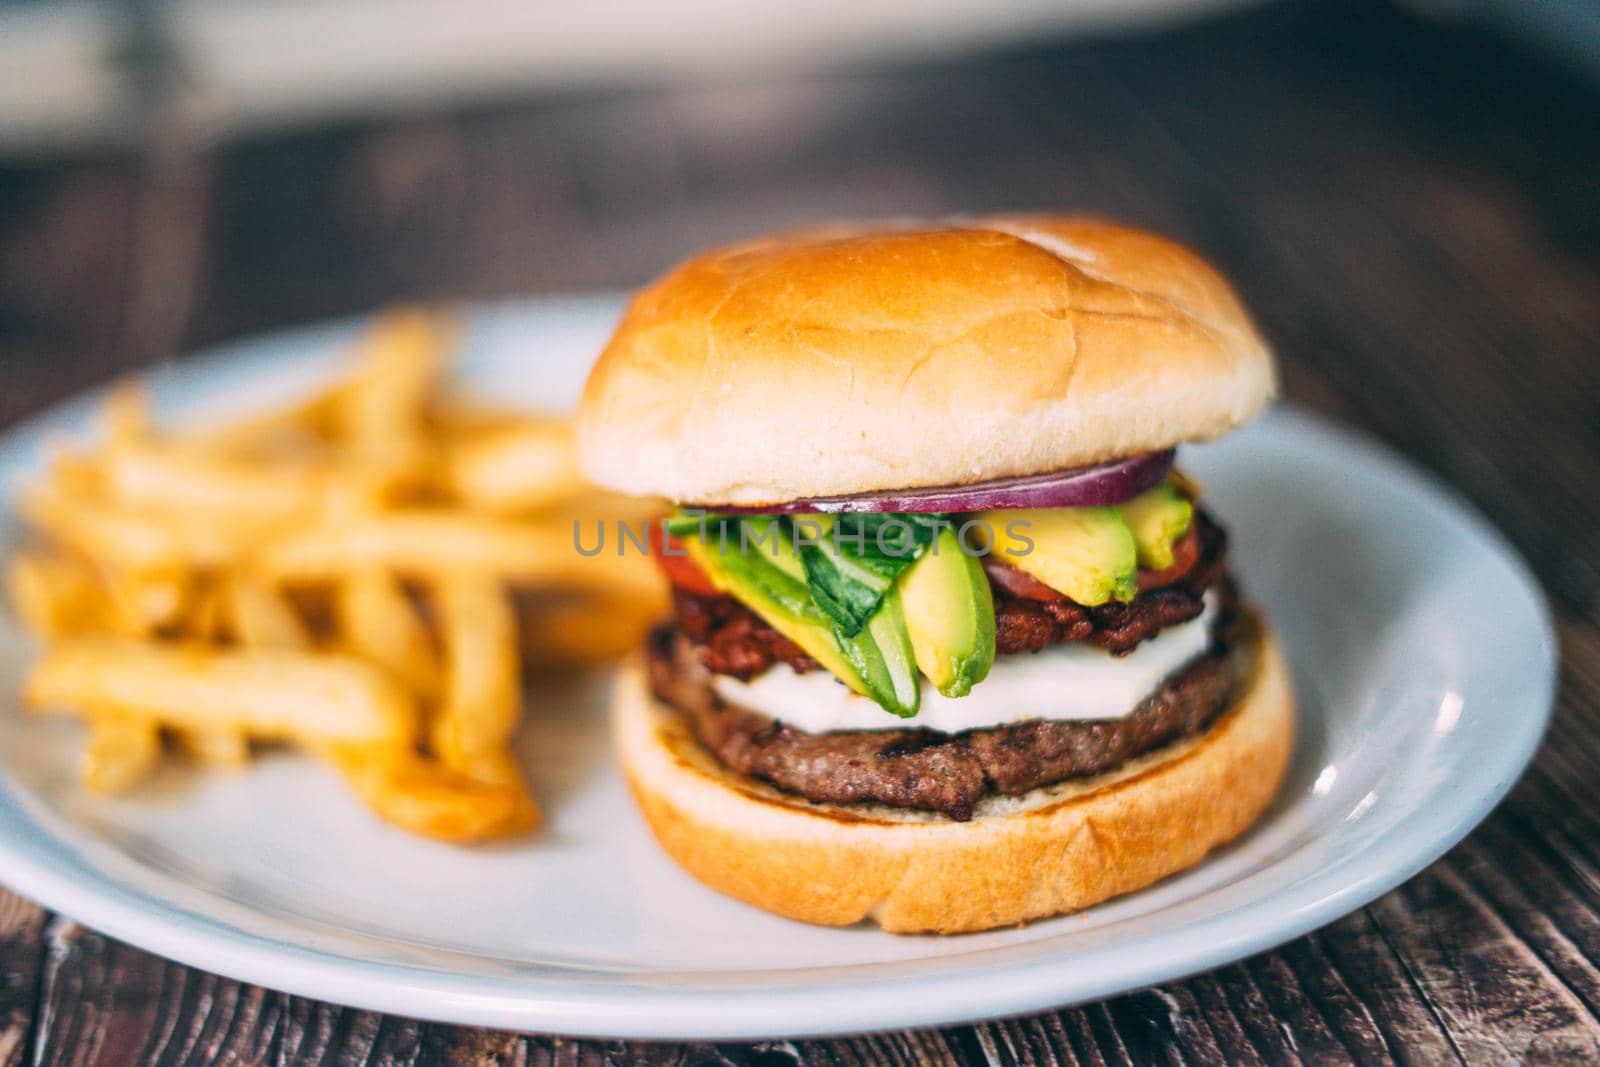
(736, 641)
(931, 771)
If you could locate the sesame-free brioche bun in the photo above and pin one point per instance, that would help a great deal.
(856, 359)
(1056, 849)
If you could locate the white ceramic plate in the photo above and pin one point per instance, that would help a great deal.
(1418, 710)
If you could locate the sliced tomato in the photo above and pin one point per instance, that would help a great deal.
(1185, 553)
(1018, 582)
(681, 570)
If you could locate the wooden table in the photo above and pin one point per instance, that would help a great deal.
(1410, 208)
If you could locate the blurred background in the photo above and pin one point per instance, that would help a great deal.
(172, 173)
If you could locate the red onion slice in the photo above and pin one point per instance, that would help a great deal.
(1109, 483)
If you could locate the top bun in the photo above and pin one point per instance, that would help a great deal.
(864, 358)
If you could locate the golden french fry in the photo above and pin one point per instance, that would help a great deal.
(208, 621)
(362, 489)
(382, 416)
(248, 496)
(496, 766)
(218, 747)
(521, 467)
(310, 697)
(122, 751)
(482, 698)
(145, 604)
(54, 596)
(99, 533)
(166, 478)
(425, 797)
(401, 356)
(290, 432)
(137, 541)
(205, 619)
(72, 471)
(378, 621)
(427, 544)
(457, 416)
(499, 767)
(259, 616)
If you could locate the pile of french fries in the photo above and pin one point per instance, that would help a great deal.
(367, 574)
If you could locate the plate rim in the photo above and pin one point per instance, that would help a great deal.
(52, 872)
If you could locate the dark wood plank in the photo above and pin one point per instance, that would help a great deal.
(1491, 989)
(22, 925)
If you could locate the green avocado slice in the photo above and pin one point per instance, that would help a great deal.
(1158, 518)
(1086, 554)
(949, 612)
(876, 662)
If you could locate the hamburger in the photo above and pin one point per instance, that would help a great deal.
(955, 644)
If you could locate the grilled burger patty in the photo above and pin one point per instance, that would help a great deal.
(932, 771)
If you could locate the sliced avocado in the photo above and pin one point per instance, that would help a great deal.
(1087, 554)
(1157, 517)
(777, 597)
(877, 662)
(949, 614)
(885, 660)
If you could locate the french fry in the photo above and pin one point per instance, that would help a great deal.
(378, 621)
(522, 467)
(482, 700)
(482, 694)
(97, 532)
(73, 472)
(458, 416)
(122, 751)
(381, 416)
(292, 431)
(145, 604)
(496, 766)
(206, 617)
(425, 797)
(259, 616)
(400, 359)
(165, 478)
(135, 541)
(425, 544)
(314, 698)
(225, 747)
(54, 596)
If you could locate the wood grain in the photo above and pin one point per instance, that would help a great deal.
(1409, 207)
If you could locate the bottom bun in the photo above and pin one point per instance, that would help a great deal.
(1056, 849)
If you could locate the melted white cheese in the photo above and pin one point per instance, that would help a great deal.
(1071, 682)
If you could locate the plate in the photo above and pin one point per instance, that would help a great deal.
(1418, 709)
